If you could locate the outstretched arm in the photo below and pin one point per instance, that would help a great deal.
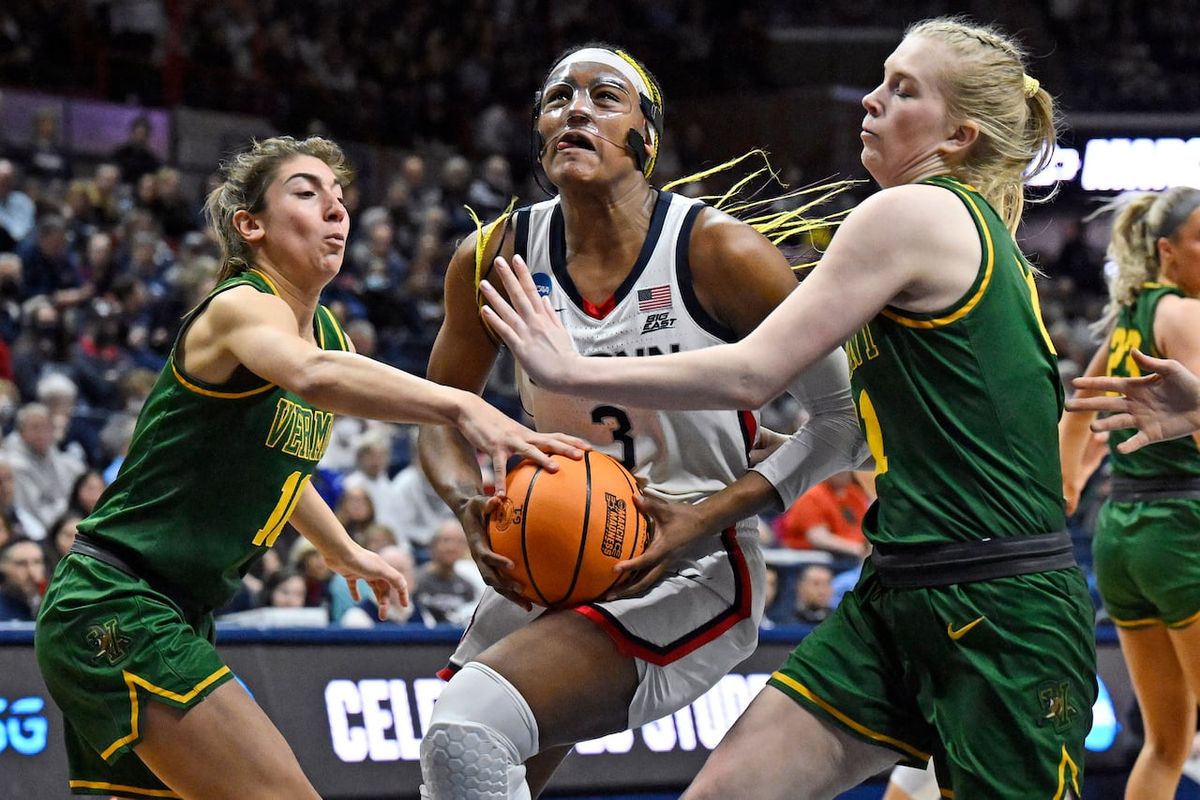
(1162, 404)
(316, 522)
(884, 249)
(725, 251)
(259, 331)
(1165, 404)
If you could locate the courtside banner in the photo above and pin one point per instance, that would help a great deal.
(354, 704)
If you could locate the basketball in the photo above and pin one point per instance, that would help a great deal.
(565, 530)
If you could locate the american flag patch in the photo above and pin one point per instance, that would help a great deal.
(655, 298)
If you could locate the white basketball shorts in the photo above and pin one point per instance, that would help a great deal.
(694, 626)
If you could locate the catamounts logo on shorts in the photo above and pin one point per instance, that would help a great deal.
(614, 526)
(108, 641)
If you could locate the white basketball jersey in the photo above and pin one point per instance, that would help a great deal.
(683, 455)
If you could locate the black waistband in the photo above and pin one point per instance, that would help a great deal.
(90, 547)
(967, 562)
(1140, 490)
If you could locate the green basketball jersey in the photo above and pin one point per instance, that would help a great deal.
(961, 407)
(213, 472)
(1135, 329)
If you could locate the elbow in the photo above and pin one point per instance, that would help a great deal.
(314, 379)
(752, 390)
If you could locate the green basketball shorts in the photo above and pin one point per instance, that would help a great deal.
(106, 642)
(994, 680)
(1147, 562)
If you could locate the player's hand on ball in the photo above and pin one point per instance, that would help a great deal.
(529, 325)
(493, 432)
(493, 567)
(673, 527)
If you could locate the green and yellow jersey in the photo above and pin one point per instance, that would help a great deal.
(1134, 328)
(961, 407)
(213, 472)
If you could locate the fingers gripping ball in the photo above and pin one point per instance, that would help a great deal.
(564, 531)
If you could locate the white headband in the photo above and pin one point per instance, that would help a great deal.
(597, 55)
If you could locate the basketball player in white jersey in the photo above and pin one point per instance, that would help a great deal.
(633, 271)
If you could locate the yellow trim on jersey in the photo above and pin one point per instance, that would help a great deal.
(963, 310)
(133, 682)
(337, 329)
(270, 283)
(212, 393)
(117, 787)
(883, 738)
(946, 792)
(1066, 762)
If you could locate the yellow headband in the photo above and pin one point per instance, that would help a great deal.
(1031, 85)
(624, 67)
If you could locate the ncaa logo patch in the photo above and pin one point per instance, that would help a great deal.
(542, 281)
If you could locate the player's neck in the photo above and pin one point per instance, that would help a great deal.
(303, 302)
(595, 221)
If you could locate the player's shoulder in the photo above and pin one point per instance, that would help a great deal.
(1177, 314)
(478, 249)
(910, 201)
(905, 215)
(721, 245)
(242, 301)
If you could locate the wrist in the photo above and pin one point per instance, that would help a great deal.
(458, 406)
(337, 550)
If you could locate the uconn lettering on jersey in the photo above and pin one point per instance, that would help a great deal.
(640, 351)
(300, 431)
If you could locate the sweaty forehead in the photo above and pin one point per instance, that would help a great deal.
(585, 73)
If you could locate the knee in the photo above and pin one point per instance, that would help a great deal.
(715, 781)
(480, 734)
(1170, 750)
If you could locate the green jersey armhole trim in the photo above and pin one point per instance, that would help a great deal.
(942, 319)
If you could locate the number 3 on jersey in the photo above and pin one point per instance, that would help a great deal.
(617, 421)
(870, 420)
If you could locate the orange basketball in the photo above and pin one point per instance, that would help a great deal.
(565, 530)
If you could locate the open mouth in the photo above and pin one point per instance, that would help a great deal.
(577, 139)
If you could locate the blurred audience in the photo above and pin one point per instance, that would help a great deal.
(22, 580)
(814, 594)
(828, 517)
(442, 588)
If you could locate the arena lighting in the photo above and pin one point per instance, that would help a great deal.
(1140, 164)
(1064, 167)
(1121, 164)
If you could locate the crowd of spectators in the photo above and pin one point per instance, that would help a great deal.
(408, 74)
(101, 258)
